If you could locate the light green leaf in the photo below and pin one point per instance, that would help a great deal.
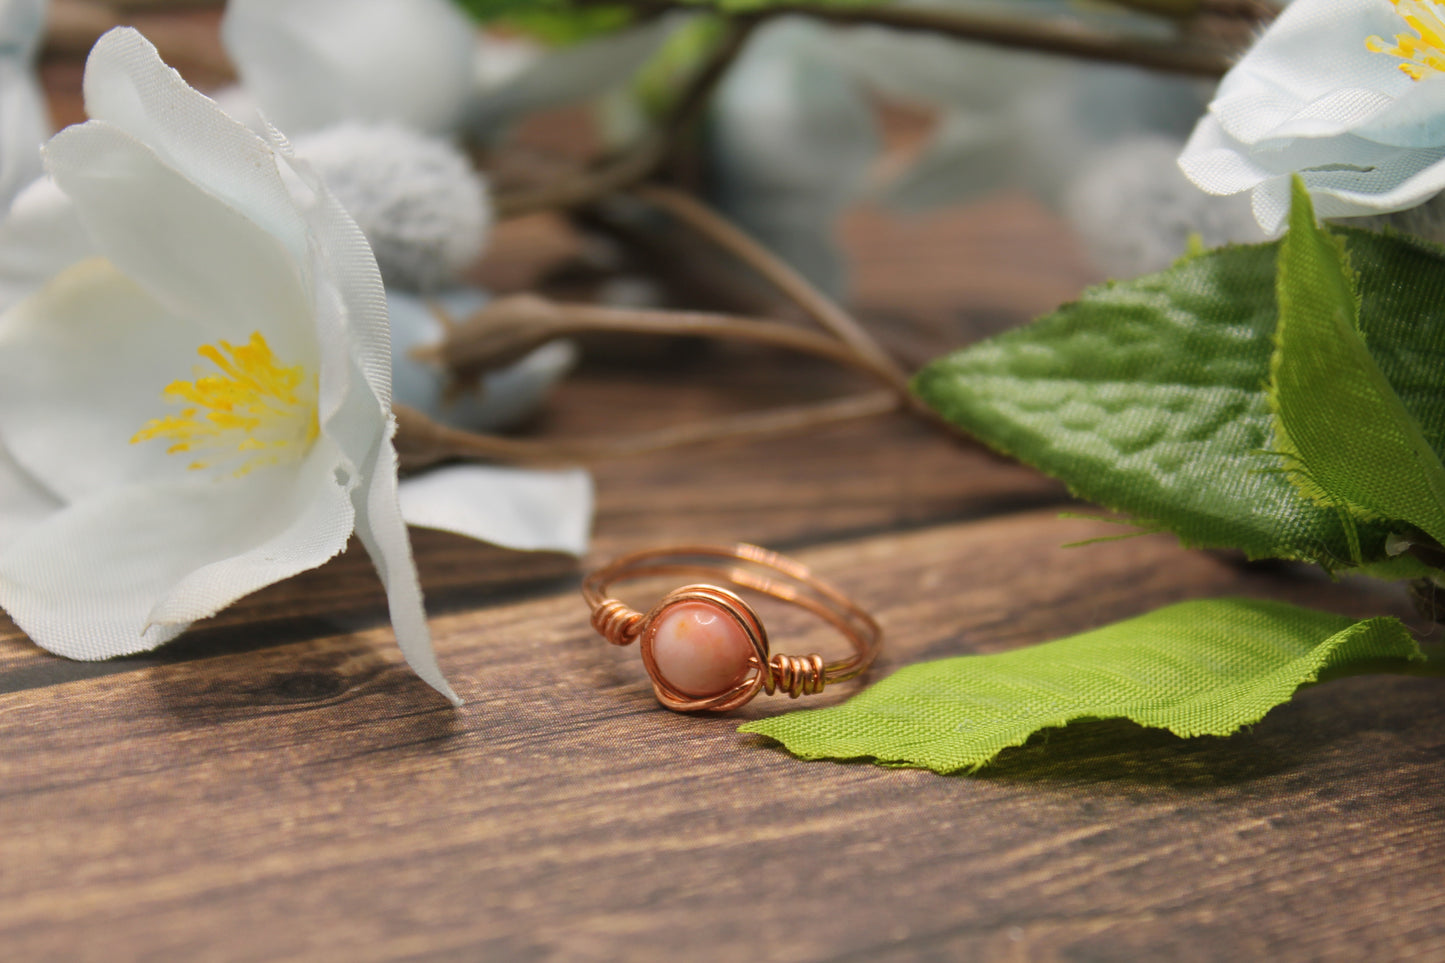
(1149, 396)
(1351, 442)
(1196, 668)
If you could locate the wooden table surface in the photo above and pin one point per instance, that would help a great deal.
(277, 785)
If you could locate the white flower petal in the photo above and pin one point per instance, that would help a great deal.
(193, 251)
(128, 86)
(1311, 98)
(1270, 202)
(512, 507)
(132, 567)
(1313, 46)
(312, 63)
(381, 529)
(1395, 186)
(24, 502)
(1217, 163)
(1416, 118)
(1336, 113)
(355, 408)
(39, 238)
(83, 363)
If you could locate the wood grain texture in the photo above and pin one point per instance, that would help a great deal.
(314, 799)
(277, 786)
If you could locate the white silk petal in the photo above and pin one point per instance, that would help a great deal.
(128, 86)
(1311, 98)
(382, 531)
(512, 507)
(39, 238)
(292, 528)
(24, 502)
(193, 251)
(1316, 46)
(1217, 163)
(83, 363)
(313, 63)
(355, 406)
(132, 567)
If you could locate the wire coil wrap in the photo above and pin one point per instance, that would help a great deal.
(617, 622)
(795, 674)
(745, 567)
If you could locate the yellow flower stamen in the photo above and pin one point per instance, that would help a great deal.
(1424, 53)
(255, 412)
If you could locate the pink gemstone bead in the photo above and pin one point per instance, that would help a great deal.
(699, 649)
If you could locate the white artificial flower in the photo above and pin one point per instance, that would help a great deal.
(313, 63)
(24, 120)
(391, 161)
(195, 399)
(372, 92)
(1350, 94)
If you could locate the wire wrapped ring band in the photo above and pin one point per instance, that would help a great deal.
(704, 647)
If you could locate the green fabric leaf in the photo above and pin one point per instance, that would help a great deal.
(1149, 396)
(1351, 441)
(1196, 668)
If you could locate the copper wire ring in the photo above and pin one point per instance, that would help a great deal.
(745, 566)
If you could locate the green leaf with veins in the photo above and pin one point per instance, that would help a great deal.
(1196, 668)
(1351, 442)
(1150, 396)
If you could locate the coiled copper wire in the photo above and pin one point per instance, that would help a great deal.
(795, 674)
(616, 621)
(749, 567)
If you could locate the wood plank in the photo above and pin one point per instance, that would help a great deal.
(314, 799)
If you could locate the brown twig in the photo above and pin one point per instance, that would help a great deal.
(798, 289)
(1062, 36)
(421, 442)
(635, 163)
(508, 328)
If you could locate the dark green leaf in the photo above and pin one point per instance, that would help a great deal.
(1149, 396)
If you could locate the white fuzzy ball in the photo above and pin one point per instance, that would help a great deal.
(1135, 210)
(420, 202)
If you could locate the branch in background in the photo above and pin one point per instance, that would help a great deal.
(637, 162)
(420, 441)
(510, 327)
(818, 305)
(1058, 37)
(1196, 52)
